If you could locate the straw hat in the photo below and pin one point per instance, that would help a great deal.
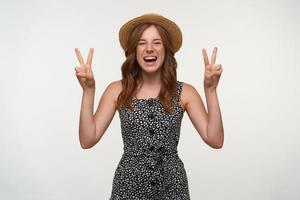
(170, 26)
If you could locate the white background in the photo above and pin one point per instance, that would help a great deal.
(258, 43)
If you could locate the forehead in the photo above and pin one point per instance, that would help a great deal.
(150, 33)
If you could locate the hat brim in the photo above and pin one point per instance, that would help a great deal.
(171, 27)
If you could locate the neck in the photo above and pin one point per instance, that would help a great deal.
(151, 79)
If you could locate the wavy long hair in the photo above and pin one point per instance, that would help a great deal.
(132, 73)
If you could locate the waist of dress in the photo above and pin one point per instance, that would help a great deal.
(129, 152)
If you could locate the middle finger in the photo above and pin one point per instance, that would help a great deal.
(214, 55)
(206, 62)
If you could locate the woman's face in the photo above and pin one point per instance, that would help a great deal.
(150, 51)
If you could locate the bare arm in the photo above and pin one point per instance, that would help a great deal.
(106, 109)
(196, 111)
(215, 131)
(87, 128)
(92, 127)
(208, 124)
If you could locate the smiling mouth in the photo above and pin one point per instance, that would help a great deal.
(150, 59)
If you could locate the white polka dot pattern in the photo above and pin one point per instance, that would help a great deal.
(150, 167)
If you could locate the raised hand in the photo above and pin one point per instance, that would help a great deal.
(84, 72)
(212, 72)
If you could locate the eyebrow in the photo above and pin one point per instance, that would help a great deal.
(152, 40)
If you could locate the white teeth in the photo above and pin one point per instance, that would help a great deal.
(150, 58)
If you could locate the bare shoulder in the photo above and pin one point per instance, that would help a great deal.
(115, 86)
(188, 93)
(115, 89)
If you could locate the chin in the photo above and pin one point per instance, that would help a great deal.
(153, 68)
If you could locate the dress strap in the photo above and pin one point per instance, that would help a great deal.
(179, 90)
(179, 87)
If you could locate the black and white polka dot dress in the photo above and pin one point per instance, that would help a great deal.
(150, 167)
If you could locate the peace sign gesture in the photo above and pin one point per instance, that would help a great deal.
(212, 72)
(84, 72)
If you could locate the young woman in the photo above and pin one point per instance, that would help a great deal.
(151, 103)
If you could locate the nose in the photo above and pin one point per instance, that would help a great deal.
(149, 48)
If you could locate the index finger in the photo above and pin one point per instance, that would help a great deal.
(90, 57)
(79, 56)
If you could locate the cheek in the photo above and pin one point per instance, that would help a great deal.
(139, 60)
(138, 54)
(162, 56)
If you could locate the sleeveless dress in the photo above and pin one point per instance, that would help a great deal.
(150, 168)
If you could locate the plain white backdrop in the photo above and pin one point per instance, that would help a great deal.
(258, 43)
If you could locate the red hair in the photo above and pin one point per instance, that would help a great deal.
(131, 71)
